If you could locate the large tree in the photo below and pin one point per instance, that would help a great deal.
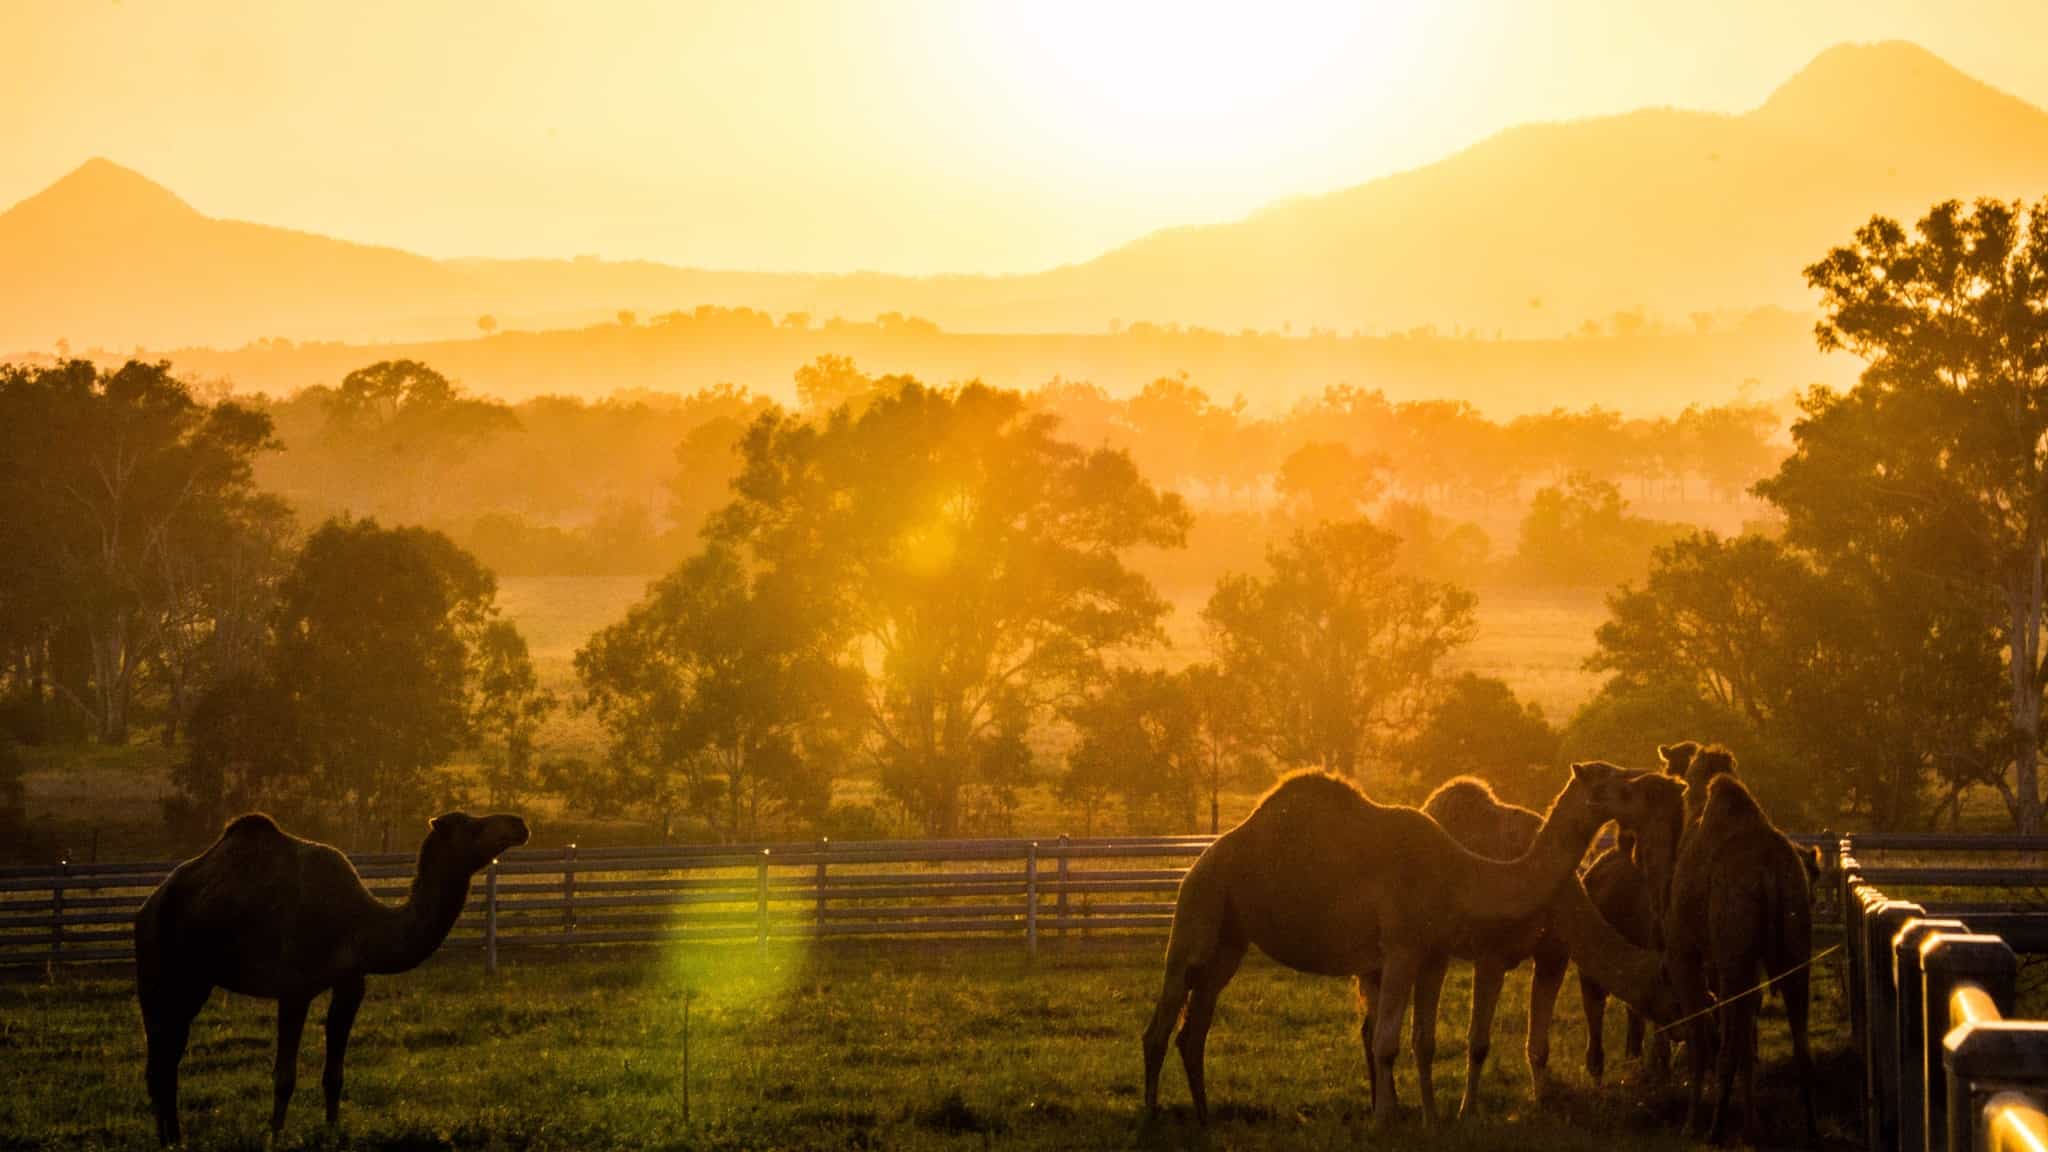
(1937, 461)
(1849, 687)
(115, 484)
(725, 695)
(1332, 650)
(1139, 741)
(377, 630)
(977, 561)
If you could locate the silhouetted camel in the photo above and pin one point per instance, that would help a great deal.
(1569, 929)
(1741, 910)
(266, 914)
(1323, 880)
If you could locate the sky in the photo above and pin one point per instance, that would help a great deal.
(912, 136)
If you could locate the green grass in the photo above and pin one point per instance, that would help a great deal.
(847, 1046)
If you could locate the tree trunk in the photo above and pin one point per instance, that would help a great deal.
(2023, 648)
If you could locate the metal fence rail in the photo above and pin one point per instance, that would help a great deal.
(1020, 889)
(1932, 988)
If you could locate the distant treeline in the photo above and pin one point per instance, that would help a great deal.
(559, 486)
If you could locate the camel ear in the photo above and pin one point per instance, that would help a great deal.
(443, 822)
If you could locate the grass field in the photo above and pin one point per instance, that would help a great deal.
(842, 1047)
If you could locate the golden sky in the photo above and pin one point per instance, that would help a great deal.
(898, 135)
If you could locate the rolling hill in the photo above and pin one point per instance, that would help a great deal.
(1529, 233)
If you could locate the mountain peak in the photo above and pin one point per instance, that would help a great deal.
(1874, 82)
(104, 192)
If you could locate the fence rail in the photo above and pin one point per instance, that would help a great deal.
(1932, 987)
(572, 896)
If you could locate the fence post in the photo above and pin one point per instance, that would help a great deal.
(1911, 1025)
(1031, 900)
(1880, 1060)
(57, 907)
(1947, 962)
(491, 919)
(824, 846)
(1852, 941)
(1065, 843)
(761, 897)
(569, 893)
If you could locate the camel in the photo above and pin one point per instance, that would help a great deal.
(1745, 890)
(1621, 889)
(1467, 808)
(1324, 880)
(266, 914)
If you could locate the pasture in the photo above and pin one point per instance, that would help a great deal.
(842, 1046)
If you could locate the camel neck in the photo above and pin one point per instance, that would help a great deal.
(1513, 889)
(408, 934)
(1632, 973)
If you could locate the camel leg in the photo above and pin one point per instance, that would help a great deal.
(1429, 988)
(1594, 999)
(167, 1027)
(1397, 984)
(1795, 989)
(1543, 989)
(1368, 996)
(1694, 1002)
(1173, 1000)
(1737, 1051)
(1632, 1047)
(1487, 976)
(341, 1016)
(291, 1024)
(1194, 1031)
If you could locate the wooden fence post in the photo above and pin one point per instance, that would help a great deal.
(57, 907)
(491, 919)
(1031, 900)
(569, 892)
(1946, 962)
(1881, 1056)
(761, 896)
(1911, 1026)
(818, 927)
(1065, 843)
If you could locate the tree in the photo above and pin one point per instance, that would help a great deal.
(1476, 726)
(510, 706)
(244, 755)
(396, 425)
(977, 559)
(377, 630)
(112, 481)
(1323, 480)
(1935, 460)
(724, 694)
(829, 383)
(1332, 651)
(1229, 754)
(1581, 532)
(1140, 741)
(1860, 687)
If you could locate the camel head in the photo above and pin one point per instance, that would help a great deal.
(1711, 761)
(1677, 757)
(1596, 793)
(1655, 828)
(470, 842)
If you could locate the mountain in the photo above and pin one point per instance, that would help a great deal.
(1531, 232)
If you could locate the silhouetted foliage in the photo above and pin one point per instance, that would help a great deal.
(975, 559)
(725, 697)
(1475, 726)
(1331, 649)
(1930, 471)
(124, 494)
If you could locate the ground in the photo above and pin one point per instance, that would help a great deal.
(843, 1046)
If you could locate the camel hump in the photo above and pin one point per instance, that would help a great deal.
(1728, 798)
(251, 825)
(1462, 790)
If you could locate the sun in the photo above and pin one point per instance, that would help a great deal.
(1162, 86)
